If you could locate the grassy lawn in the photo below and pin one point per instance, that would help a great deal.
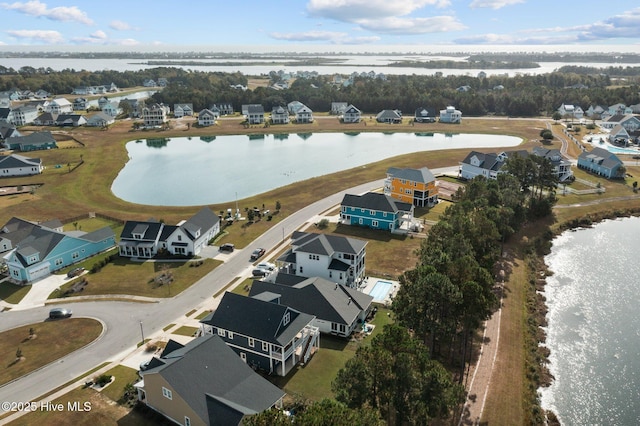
(122, 276)
(313, 381)
(203, 314)
(186, 331)
(103, 412)
(53, 340)
(388, 255)
(12, 293)
(90, 225)
(122, 376)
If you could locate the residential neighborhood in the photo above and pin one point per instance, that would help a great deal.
(269, 294)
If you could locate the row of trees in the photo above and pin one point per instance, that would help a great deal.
(443, 301)
(521, 95)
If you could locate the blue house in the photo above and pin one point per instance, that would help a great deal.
(36, 250)
(601, 162)
(377, 211)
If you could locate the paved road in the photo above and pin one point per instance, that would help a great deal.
(123, 320)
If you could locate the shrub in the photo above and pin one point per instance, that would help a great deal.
(323, 224)
(102, 380)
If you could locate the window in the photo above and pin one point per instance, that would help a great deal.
(179, 237)
(230, 335)
(301, 269)
(360, 221)
(265, 346)
(187, 421)
(384, 214)
(372, 212)
(374, 223)
(222, 333)
(59, 262)
(167, 393)
(243, 356)
(251, 342)
(75, 255)
(287, 318)
(344, 209)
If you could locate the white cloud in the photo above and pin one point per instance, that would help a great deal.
(44, 36)
(493, 4)
(624, 26)
(127, 42)
(395, 25)
(353, 10)
(120, 26)
(38, 9)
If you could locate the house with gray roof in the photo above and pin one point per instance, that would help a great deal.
(601, 162)
(100, 119)
(414, 186)
(304, 115)
(561, 166)
(253, 113)
(18, 165)
(424, 115)
(204, 383)
(24, 115)
(279, 115)
(450, 115)
(146, 239)
(46, 119)
(182, 110)
(337, 108)
(390, 116)
(8, 130)
(35, 251)
(72, 120)
(272, 337)
(333, 257)
(488, 165)
(80, 104)
(206, 117)
(351, 114)
(338, 310)
(376, 211)
(32, 142)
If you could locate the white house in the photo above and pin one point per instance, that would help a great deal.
(18, 165)
(145, 239)
(450, 115)
(155, 115)
(59, 106)
(335, 258)
(571, 111)
(206, 118)
(304, 115)
(488, 165)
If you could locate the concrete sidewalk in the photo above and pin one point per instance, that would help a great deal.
(39, 292)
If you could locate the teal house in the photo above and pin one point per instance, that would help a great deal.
(34, 142)
(376, 211)
(33, 251)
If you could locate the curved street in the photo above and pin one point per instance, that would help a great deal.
(125, 322)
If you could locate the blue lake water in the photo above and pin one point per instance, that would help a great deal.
(594, 326)
(200, 170)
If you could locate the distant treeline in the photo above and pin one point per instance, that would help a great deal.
(613, 58)
(471, 64)
(521, 95)
(610, 71)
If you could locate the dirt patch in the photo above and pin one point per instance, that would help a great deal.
(447, 189)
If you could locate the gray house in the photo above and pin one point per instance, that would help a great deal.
(601, 162)
(338, 310)
(272, 337)
(204, 383)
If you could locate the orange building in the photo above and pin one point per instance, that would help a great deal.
(414, 186)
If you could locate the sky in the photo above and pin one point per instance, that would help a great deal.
(333, 24)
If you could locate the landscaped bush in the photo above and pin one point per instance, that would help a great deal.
(102, 380)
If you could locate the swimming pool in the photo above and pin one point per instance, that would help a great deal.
(380, 290)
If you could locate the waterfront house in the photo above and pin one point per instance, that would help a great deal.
(601, 162)
(112, 109)
(279, 115)
(450, 115)
(253, 113)
(146, 239)
(204, 383)
(351, 114)
(413, 186)
(268, 336)
(488, 165)
(376, 211)
(149, 83)
(304, 115)
(206, 118)
(294, 106)
(155, 115)
(224, 108)
(35, 251)
(18, 165)
(390, 116)
(336, 258)
(33, 142)
(424, 115)
(338, 310)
